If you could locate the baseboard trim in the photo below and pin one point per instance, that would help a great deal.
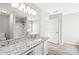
(55, 43)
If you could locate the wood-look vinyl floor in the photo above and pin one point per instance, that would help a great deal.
(65, 49)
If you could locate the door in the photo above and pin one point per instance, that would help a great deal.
(55, 29)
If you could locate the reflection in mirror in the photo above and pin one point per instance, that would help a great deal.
(33, 27)
(19, 27)
(4, 27)
(15, 27)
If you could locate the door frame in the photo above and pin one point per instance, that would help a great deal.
(59, 16)
(60, 28)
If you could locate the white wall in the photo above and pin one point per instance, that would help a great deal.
(43, 24)
(70, 28)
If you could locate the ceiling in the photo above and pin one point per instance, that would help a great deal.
(65, 8)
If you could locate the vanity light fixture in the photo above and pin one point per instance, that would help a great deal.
(24, 7)
(29, 10)
(20, 7)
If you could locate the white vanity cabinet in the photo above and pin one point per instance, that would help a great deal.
(38, 50)
(45, 47)
(41, 49)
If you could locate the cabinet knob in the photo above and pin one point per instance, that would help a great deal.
(57, 32)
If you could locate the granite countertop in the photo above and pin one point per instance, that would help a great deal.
(20, 47)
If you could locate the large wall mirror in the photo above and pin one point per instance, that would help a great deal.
(14, 26)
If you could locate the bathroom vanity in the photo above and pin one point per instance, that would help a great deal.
(36, 47)
(20, 31)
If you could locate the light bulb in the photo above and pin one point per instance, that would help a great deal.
(28, 10)
(25, 10)
(20, 7)
(33, 12)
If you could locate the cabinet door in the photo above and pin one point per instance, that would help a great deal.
(46, 47)
(39, 49)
